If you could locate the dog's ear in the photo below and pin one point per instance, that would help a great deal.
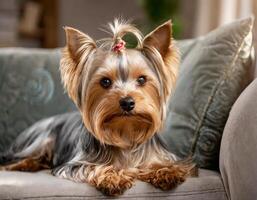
(159, 48)
(78, 43)
(160, 38)
(75, 55)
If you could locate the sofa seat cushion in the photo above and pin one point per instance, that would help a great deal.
(42, 185)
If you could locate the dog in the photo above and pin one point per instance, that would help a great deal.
(122, 96)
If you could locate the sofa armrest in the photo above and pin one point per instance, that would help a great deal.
(238, 153)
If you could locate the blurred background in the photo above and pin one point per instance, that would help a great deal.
(38, 23)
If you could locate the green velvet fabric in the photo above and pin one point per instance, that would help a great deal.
(215, 69)
(30, 89)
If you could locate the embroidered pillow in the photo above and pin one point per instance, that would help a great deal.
(215, 69)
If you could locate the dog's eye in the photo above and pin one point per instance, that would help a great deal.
(141, 80)
(105, 82)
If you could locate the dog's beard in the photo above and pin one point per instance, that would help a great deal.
(127, 130)
(121, 129)
(111, 125)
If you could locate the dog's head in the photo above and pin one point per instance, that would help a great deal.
(121, 93)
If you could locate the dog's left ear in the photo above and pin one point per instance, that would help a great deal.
(160, 38)
(160, 42)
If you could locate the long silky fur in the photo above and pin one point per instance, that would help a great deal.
(81, 146)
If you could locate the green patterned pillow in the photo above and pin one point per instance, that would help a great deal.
(215, 69)
(30, 89)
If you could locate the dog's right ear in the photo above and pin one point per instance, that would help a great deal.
(75, 55)
(78, 43)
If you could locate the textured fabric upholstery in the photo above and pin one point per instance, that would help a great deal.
(42, 185)
(238, 163)
(30, 89)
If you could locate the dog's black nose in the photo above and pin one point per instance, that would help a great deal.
(127, 103)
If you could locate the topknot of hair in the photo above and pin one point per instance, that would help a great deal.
(118, 29)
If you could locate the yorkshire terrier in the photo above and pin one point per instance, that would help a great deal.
(122, 95)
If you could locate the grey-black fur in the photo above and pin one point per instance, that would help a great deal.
(71, 143)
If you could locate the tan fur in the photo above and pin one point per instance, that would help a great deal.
(31, 164)
(40, 159)
(82, 74)
(155, 57)
(147, 163)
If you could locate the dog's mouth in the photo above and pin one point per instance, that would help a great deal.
(127, 129)
(127, 116)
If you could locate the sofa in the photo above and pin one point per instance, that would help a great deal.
(30, 89)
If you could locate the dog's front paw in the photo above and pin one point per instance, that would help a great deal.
(168, 178)
(114, 183)
(165, 178)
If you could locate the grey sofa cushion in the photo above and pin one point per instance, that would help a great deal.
(238, 164)
(214, 70)
(42, 185)
(30, 89)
